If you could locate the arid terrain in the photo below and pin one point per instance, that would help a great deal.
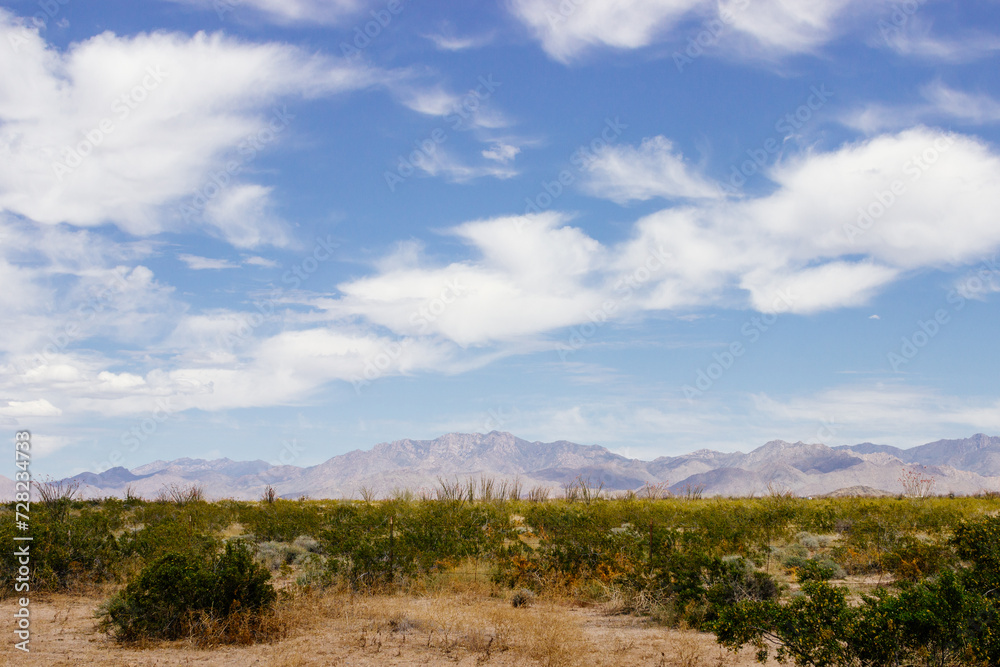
(452, 628)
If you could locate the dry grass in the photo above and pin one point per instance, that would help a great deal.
(468, 626)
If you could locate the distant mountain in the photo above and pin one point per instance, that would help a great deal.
(963, 466)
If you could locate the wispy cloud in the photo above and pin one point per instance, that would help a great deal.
(915, 39)
(449, 42)
(941, 102)
(653, 169)
(196, 263)
(284, 11)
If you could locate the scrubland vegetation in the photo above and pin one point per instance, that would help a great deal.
(837, 581)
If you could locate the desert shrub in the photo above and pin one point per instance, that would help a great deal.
(935, 622)
(308, 543)
(185, 593)
(815, 569)
(522, 598)
(373, 545)
(69, 548)
(313, 572)
(808, 630)
(792, 552)
(169, 535)
(735, 579)
(281, 520)
(913, 559)
(978, 543)
(808, 540)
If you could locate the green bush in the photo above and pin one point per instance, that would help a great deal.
(815, 569)
(68, 548)
(937, 622)
(177, 593)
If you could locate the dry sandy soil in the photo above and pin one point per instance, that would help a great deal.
(464, 628)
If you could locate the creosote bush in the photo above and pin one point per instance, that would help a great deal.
(226, 598)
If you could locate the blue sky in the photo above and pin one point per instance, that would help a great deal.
(285, 230)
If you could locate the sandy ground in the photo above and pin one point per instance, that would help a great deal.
(454, 629)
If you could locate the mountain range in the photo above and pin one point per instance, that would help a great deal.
(966, 466)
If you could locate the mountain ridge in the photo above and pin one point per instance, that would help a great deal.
(961, 466)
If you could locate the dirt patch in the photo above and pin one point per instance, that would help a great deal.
(339, 629)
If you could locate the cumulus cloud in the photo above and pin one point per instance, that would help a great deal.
(654, 169)
(568, 29)
(836, 229)
(128, 130)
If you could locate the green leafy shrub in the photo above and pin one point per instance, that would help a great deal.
(185, 593)
(815, 569)
(69, 548)
(913, 559)
(939, 622)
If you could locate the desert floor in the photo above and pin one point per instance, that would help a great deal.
(457, 628)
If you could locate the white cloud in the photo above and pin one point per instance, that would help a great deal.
(468, 110)
(568, 29)
(242, 215)
(261, 261)
(431, 101)
(285, 11)
(940, 102)
(914, 39)
(196, 263)
(120, 129)
(837, 229)
(525, 278)
(501, 152)
(36, 408)
(447, 42)
(654, 169)
(976, 108)
(441, 162)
